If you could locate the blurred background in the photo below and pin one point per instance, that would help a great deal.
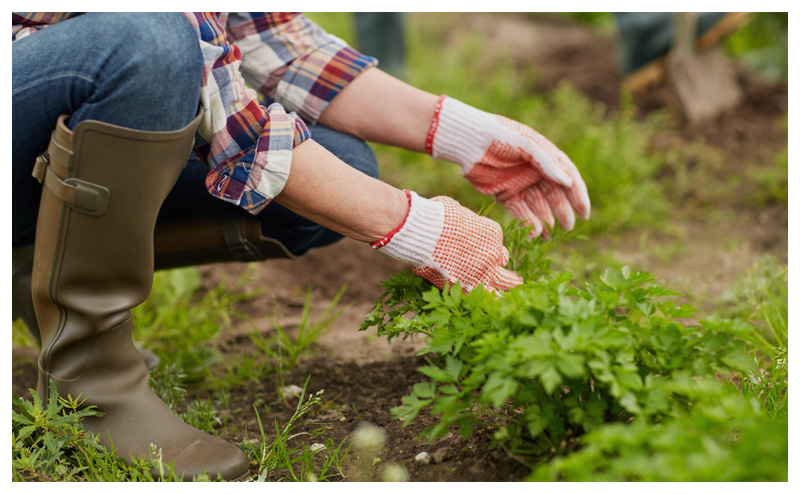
(700, 203)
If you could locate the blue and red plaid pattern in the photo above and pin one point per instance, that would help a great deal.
(247, 146)
(294, 61)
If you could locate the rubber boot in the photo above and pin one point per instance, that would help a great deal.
(196, 241)
(179, 242)
(93, 262)
(22, 303)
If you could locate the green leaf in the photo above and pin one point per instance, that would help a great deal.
(739, 360)
(425, 390)
(571, 366)
(436, 373)
(612, 278)
(453, 368)
(631, 380)
(628, 401)
(551, 379)
(498, 388)
(466, 430)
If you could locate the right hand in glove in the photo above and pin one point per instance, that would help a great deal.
(447, 243)
(525, 172)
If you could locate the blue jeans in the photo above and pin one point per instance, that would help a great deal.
(107, 67)
(122, 69)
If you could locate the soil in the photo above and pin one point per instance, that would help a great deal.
(363, 376)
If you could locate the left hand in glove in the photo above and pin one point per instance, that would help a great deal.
(525, 172)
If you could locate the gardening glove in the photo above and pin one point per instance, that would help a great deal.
(447, 243)
(525, 172)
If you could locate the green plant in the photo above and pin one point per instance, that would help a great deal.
(761, 297)
(48, 443)
(47, 438)
(723, 438)
(292, 461)
(21, 336)
(168, 381)
(603, 21)
(763, 44)
(308, 330)
(202, 414)
(770, 183)
(178, 321)
(278, 352)
(549, 363)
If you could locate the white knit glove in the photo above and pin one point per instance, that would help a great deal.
(525, 172)
(447, 243)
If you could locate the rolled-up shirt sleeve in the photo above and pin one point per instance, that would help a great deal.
(292, 60)
(247, 146)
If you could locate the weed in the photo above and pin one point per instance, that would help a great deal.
(279, 352)
(20, 336)
(168, 381)
(762, 298)
(308, 331)
(178, 324)
(48, 443)
(297, 463)
(770, 183)
(202, 415)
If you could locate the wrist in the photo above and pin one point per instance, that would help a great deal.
(458, 133)
(389, 219)
(414, 240)
(434, 125)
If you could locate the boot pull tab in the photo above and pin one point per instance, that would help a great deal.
(39, 167)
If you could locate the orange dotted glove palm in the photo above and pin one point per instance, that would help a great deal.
(447, 243)
(525, 172)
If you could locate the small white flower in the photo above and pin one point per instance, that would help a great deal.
(394, 473)
(369, 437)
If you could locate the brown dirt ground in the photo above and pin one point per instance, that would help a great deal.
(364, 377)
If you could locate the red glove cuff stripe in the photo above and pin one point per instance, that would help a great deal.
(434, 125)
(385, 240)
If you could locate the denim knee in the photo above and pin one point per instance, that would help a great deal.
(165, 49)
(157, 67)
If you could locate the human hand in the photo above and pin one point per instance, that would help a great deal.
(447, 243)
(525, 172)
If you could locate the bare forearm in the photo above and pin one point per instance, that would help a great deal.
(380, 108)
(329, 192)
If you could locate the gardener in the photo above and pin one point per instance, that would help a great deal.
(103, 82)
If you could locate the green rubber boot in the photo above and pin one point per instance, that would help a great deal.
(93, 262)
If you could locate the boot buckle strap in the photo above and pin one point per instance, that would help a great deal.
(82, 196)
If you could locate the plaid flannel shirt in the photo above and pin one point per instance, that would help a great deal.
(284, 56)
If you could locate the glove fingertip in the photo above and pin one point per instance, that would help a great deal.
(587, 206)
(505, 279)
